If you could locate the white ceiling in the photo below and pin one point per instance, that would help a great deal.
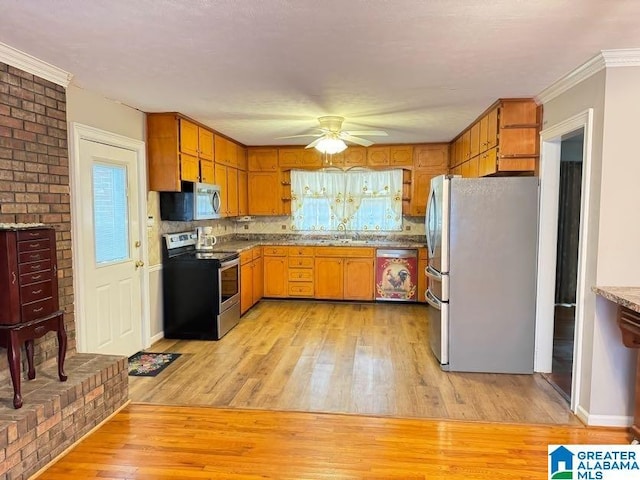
(258, 69)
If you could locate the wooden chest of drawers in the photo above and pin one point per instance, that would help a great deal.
(29, 295)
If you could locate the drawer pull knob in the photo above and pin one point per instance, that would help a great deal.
(32, 234)
(36, 292)
(36, 277)
(35, 256)
(34, 245)
(36, 310)
(35, 267)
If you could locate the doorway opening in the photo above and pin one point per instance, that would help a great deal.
(569, 206)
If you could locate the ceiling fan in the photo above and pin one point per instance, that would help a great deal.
(332, 139)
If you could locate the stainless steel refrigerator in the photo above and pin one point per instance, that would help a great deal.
(482, 236)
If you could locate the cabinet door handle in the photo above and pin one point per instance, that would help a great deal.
(36, 292)
(13, 278)
(36, 310)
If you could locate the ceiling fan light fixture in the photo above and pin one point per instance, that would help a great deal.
(331, 145)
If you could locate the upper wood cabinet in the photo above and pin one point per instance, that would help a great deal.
(265, 193)
(299, 157)
(503, 141)
(401, 155)
(262, 159)
(431, 156)
(241, 157)
(225, 151)
(178, 150)
(243, 193)
(378, 156)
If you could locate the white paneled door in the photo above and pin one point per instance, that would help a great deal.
(109, 238)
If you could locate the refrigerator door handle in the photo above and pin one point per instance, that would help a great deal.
(432, 300)
(433, 273)
(428, 220)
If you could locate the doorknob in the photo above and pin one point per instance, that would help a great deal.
(137, 244)
(139, 263)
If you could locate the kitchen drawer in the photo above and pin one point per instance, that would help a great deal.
(35, 244)
(301, 274)
(301, 251)
(274, 251)
(34, 267)
(300, 289)
(35, 292)
(34, 256)
(345, 252)
(39, 276)
(300, 262)
(39, 309)
(32, 234)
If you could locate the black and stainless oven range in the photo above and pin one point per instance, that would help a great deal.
(201, 290)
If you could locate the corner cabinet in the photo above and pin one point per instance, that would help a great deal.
(29, 296)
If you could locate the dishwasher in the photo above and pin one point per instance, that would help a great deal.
(396, 275)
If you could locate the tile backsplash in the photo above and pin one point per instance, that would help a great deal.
(411, 226)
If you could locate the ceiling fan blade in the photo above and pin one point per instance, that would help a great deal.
(352, 139)
(372, 133)
(303, 135)
(315, 142)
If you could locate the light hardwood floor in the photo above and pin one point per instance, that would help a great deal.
(371, 359)
(149, 442)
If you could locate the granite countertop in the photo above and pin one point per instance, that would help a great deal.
(626, 296)
(235, 245)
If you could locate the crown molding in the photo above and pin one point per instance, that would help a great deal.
(629, 57)
(31, 64)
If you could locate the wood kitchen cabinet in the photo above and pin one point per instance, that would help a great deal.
(344, 273)
(378, 156)
(29, 298)
(265, 193)
(275, 271)
(227, 179)
(251, 278)
(300, 272)
(430, 161)
(243, 193)
(503, 141)
(179, 149)
(225, 151)
(299, 157)
(329, 277)
(260, 159)
(359, 279)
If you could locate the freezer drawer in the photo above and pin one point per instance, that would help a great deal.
(397, 275)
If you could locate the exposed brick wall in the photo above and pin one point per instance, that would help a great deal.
(34, 180)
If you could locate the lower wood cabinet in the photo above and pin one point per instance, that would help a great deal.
(251, 278)
(344, 273)
(275, 271)
(358, 278)
(300, 272)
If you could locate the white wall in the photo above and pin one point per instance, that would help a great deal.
(608, 368)
(96, 111)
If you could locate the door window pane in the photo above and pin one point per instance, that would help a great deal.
(110, 213)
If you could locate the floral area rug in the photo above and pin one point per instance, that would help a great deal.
(147, 364)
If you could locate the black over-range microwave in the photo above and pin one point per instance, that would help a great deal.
(196, 201)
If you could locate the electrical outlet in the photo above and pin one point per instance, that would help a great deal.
(284, 227)
(407, 228)
(246, 227)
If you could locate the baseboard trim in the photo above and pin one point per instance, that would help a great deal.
(603, 420)
(157, 337)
